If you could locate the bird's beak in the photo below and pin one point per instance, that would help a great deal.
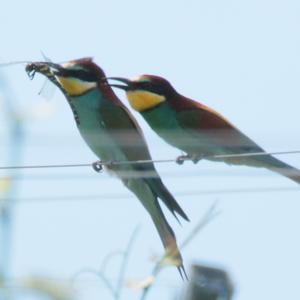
(128, 84)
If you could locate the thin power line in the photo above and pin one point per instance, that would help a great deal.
(98, 165)
(190, 174)
(47, 166)
(103, 197)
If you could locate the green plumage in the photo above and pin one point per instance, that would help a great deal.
(112, 134)
(183, 129)
(194, 128)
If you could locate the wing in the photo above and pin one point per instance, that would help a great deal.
(126, 132)
(133, 144)
(214, 133)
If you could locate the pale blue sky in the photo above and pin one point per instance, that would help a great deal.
(239, 57)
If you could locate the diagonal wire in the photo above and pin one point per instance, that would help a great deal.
(107, 197)
(147, 161)
(45, 166)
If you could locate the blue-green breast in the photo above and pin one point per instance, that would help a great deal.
(92, 126)
(162, 119)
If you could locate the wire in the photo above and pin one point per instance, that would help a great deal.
(46, 166)
(238, 172)
(99, 164)
(103, 197)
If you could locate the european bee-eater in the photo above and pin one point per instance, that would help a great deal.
(113, 135)
(193, 127)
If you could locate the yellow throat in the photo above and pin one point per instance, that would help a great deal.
(75, 87)
(143, 100)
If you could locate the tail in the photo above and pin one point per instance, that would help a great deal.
(149, 200)
(278, 166)
(163, 193)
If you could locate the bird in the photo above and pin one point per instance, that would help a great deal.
(194, 128)
(113, 134)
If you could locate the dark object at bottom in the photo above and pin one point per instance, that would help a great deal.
(208, 283)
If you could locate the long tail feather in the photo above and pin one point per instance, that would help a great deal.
(182, 272)
(266, 161)
(149, 200)
(163, 193)
(278, 166)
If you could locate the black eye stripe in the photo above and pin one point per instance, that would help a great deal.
(151, 87)
(80, 74)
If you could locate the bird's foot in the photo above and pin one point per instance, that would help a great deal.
(97, 166)
(193, 157)
(182, 158)
(110, 163)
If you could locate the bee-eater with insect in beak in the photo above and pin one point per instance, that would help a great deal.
(194, 128)
(113, 135)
